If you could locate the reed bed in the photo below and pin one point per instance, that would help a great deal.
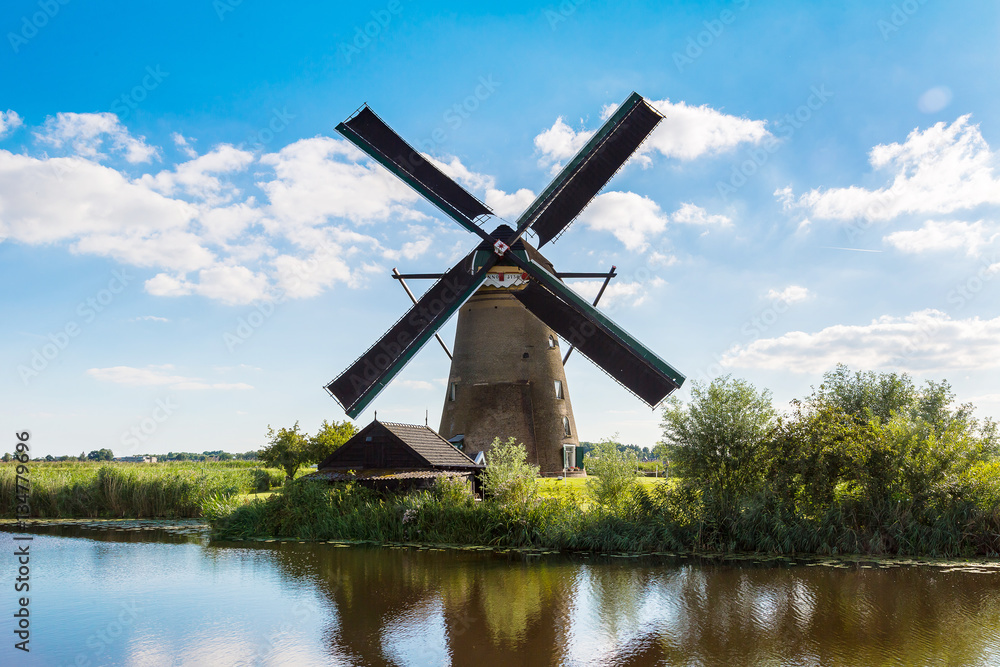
(91, 490)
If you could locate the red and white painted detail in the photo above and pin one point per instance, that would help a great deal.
(505, 279)
(500, 248)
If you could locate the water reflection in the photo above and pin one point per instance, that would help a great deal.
(292, 603)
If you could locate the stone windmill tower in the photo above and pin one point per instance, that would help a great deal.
(507, 375)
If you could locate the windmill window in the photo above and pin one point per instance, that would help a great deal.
(566, 427)
(552, 342)
(559, 392)
(452, 391)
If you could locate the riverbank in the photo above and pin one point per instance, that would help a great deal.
(75, 489)
(666, 516)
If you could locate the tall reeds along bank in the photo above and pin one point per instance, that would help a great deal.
(868, 464)
(171, 490)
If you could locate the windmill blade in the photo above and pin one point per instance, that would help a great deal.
(590, 170)
(369, 133)
(598, 338)
(356, 387)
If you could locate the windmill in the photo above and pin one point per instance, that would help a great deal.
(507, 375)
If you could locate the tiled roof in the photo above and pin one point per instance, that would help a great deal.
(428, 444)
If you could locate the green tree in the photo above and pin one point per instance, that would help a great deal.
(509, 479)
(101, 455)
(287, 449)
(82, 457)
(7, 457)
(718, 439)
(329, 438)
(867, 395)
(611, 472)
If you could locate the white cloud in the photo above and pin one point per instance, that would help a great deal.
(689, 132)
(559, 143)
(195, 177)
(157, 376)
(323, 178)
(689, 214)
(183, 144)
(632, 218)
(942, 169)
(791, 294)
(934, 99)
(953, 235)
(617, 294)
(86, 133)
(927, 340)
(686, 133)
(150, 318)
(9, 121)
(231, 285)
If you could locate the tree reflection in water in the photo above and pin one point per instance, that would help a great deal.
(397, 606)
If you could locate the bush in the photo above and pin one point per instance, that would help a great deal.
(611, 473)
(508, 478)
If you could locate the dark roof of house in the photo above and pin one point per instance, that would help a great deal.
(382, 474)
(428, 444)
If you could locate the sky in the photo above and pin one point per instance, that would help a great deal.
(189, 251)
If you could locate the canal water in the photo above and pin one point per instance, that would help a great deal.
(145, 595)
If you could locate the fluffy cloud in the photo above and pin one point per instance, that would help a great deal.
(686, 133)
(196, 178)
(9, 121)
(617, 294)
(635, 219)
(689, 214)
(86, 134)
(940, 170)
(791, 294)
(954, 235)
(928, 340)
(158, 376)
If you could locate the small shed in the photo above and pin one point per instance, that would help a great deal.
(390, 456)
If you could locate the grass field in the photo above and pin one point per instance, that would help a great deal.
(85, 489)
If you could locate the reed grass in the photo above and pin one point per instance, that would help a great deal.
(174, 490)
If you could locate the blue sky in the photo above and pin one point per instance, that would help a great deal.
(189, 251)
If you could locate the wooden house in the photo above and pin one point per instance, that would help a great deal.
(390, 456)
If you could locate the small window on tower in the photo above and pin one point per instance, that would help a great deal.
(452, 391)
(566, 427)
(552, 341)
(559, 393)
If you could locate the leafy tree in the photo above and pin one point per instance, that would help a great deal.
(329, 438)
(611, 471)
(82, 457)
(867, 395)
(287, 449)
(101, 455)
(509, 479)
(7, 457)
(718, 439)
(49, 457)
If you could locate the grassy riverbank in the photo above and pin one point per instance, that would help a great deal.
(664, 516)
(89, 489)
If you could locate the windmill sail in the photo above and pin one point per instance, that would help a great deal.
(597, 337)
(369, 133)
(356, 387)
(590, 170)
